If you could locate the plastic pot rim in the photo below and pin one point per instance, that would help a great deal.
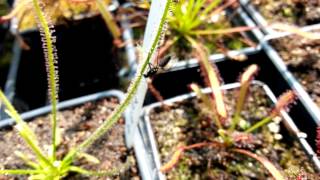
(288, 122)
(14, 22)
(275, 58)
(64, 104)
(263, 23)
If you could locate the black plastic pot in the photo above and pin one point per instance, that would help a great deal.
(4, 47)
(275, 76)
(240, 18)
(229, 71)
(88, 62)
(278, 77)
(258, 18)
(186, 71)
(178, 85)
(3, 76)
(309, 105)
(278, 62)
(147, 134)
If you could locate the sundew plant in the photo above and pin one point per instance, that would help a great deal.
(231, 136)
(46, 165)
(193, 20)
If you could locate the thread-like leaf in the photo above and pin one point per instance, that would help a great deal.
(19, 6)
(179, 152)
(51, 57)
(112, 172)
(224, 31)
(116, 114)
(26, 159)
(276, 174)
(173, 161)
(195, 88)
(283, 102)
(218, 10)
(88, 158)
(208, 104)
(108, 18)
(21, 171)
(25, 132)
(295, 30)
(211, 6)
(214, 78)
(245, 81)
(248, 74)
(223, 7)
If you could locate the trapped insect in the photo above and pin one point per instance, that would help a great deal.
(161, 64)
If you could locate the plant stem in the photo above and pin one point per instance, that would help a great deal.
(20, 171)
(26, 133)
(94, 173)
(213, 76)
(259, 124)
(179, 152)
(114, 29)
(240, 102)
(116, 114)
(50, 58)
(274, 171)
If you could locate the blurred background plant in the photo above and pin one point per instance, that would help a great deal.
(6, 41)
(61, 12)
(208, 22)
(232, 136)
(46, 164)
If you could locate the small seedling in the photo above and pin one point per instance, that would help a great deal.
(231, 134)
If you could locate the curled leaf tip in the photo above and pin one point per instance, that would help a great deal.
(192, 86)
(283, 103)
(249, 73)
(174, 160)
(272, 169)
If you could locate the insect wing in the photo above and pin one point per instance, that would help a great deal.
(167, 62)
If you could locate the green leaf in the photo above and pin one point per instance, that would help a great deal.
(25, 132)
(245, 81)
(209, 8)
(116, 114)
(20, 171)
(213, 76)
(108, 18)
(26, 159)
(88, 157)
(195, 88)
(52, 70)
